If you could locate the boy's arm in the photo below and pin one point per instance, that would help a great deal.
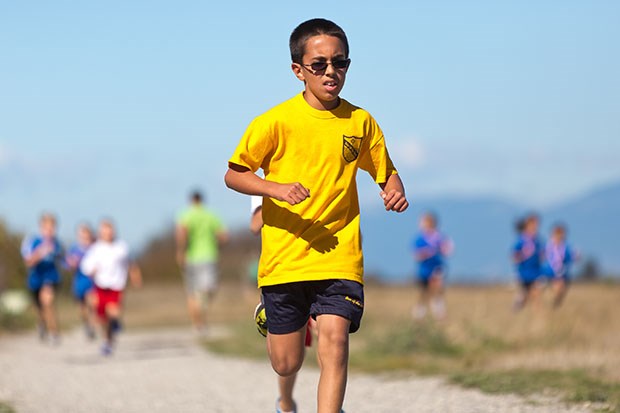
(241, 179)
(393, 194)
(256, 222)
(135, 275)
(181, 241)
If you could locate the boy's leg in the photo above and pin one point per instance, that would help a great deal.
(286, 385)
(113, 314)
(333, 353)
(436, 289)
(286, 351)
(46, 298)
(419, 311)
(194, 307)
(559, 291)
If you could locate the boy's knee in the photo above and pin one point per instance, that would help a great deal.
(46, 296)
(286, 366)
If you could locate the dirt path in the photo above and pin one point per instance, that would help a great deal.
(166, 371)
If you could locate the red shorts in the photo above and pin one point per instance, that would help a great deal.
(105, 297)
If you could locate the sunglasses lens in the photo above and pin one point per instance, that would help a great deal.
(318, 66)
(340, 64)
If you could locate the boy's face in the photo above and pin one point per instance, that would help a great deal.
(47, 227)
(427, 223)
(531, 227)
(322, 86)
(559, 235)
(106, 232)
(85, 237)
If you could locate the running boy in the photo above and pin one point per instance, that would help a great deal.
(527, 254)
(107, 261)
(430, 248)
(42, 254)
(310, 148)
(83, 286)
(199, 234)
(559, 257)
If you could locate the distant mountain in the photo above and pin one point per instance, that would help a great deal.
(594, 225)
(482, 229)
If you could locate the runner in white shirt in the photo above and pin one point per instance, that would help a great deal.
(108, 262)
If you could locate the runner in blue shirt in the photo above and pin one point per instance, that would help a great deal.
(430, 248)
(82, 284)
(559, 257)
(528, 254)
(42, 254)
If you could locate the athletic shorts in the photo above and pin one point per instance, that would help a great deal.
(528, 284)
(424, 278)
(201, 277)
(81, 286)
(106, 297)
(288, 306)
(37, 292)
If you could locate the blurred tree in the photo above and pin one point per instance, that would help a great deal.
(590, 270)
(12, 269)
(157, 259)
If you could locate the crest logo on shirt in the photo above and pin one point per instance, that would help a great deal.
(351, 146)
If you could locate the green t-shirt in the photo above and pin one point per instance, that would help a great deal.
(202, 228)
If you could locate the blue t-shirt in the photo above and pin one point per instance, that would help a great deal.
(529, 249)
(82, 283)
(46, 270)
(429, 243)
(558, 259)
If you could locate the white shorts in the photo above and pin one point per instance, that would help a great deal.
(201, 277)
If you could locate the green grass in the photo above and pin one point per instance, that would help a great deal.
(574, 386)
(243, 340)
(6, 408)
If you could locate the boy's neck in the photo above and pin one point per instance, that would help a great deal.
(320, 105)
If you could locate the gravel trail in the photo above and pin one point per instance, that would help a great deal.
(167, 371)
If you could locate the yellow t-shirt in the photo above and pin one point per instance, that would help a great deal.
(319, 238)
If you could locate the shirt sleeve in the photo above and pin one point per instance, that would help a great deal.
(375, 159)
(89, 262)
(26, 247)
(256, 145)
(255, 203)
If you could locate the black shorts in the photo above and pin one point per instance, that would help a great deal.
(36, 293)
(529, 284)
(288, 306)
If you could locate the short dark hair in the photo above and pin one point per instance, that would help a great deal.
(310, 28)
(196, 196)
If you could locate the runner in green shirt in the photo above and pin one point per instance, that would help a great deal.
(199, 233)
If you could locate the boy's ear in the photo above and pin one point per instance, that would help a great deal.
(297, 70)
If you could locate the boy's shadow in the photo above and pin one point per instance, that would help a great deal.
(319, 237)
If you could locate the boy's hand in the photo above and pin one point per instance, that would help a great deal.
(394, 200)
(292, 193)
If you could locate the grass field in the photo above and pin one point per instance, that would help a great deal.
(571, 352)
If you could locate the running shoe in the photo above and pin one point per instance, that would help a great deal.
(260, 317)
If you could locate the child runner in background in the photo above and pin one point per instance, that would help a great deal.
(559, 257)
(310, 148)
(83, 286)
(108, 262)
(528, 254)
(199, 235)
(430, 248)
(42, 255)
(286, 385)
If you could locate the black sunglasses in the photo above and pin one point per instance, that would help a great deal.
(322, 66)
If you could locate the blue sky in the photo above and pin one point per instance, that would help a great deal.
(118, 108)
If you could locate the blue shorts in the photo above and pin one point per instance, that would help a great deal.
(288, 306)
(82, 285)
